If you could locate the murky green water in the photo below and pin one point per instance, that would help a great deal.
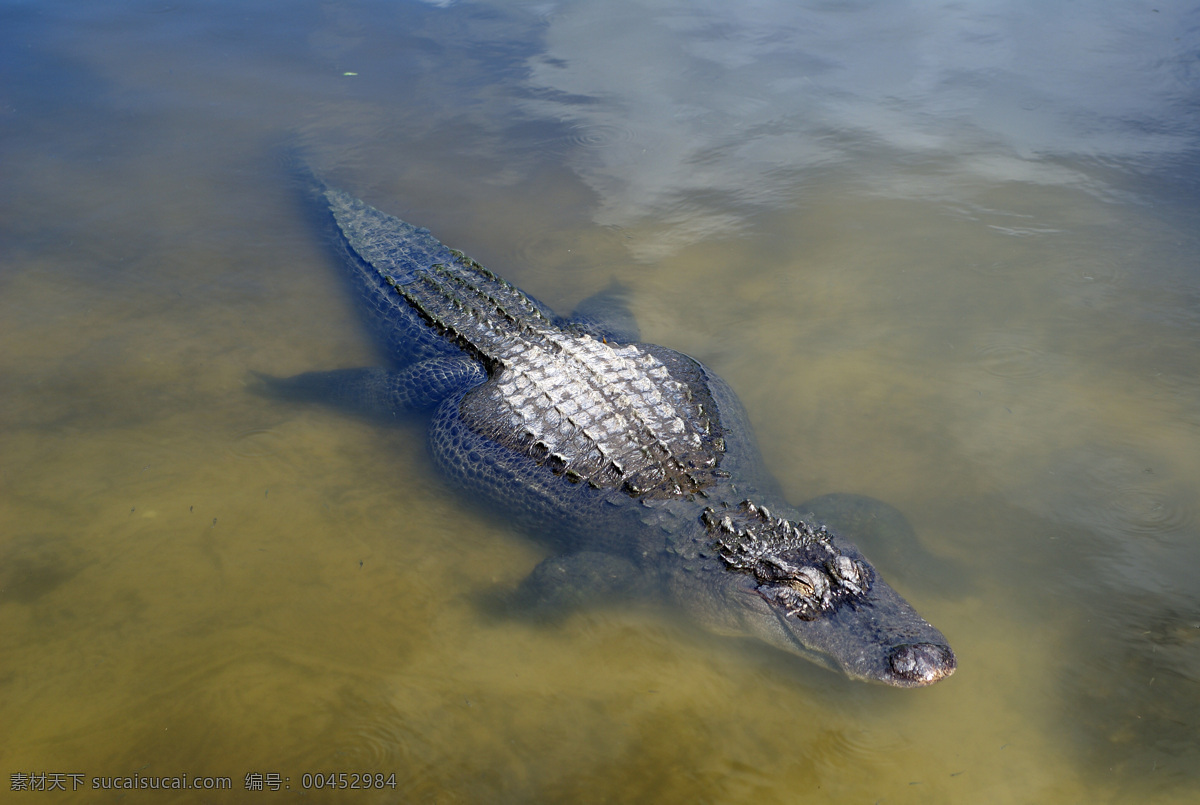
(947, 257)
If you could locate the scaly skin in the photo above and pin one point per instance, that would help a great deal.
(637, 459)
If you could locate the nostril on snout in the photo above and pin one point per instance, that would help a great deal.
(922, 663)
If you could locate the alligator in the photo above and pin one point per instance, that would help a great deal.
(636, 461)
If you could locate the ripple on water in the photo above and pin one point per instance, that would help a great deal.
(839, 748)
(599, 135)
(582, 136)
(1011, 356)
(1092, 281)
(255, 443)
(1123, 496)
(376, 736)
(1143, 508)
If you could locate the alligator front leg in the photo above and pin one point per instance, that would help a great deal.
(565, 583)
(606, 315)
(884, 534)
(382, 392)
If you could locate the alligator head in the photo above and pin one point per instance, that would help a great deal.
(805, 590)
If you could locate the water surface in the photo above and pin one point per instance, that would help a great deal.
(946, 254)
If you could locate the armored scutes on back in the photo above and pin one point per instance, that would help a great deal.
(637, 460)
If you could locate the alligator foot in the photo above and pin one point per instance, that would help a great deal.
(383, 393)
(565, 583)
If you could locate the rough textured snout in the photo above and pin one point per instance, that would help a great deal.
(917, 664)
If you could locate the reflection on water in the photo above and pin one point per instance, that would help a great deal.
(947, 257)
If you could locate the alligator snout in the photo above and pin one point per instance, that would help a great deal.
(915, 664)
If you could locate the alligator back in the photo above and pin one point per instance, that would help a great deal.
(634, 416)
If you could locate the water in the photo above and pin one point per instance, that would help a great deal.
(947, 255)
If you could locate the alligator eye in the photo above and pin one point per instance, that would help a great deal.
(801, 586)
(845, 569)
(815, 579)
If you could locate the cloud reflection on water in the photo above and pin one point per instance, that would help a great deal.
(672, 102)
